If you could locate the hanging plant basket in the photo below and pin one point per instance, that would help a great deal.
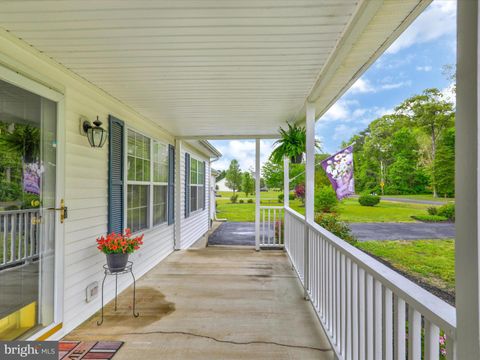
(291, 144)
(296, 159)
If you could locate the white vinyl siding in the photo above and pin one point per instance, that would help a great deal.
(196, 225)
(86, 186)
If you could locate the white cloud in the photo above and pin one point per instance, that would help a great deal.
(396, 85)
(449, 93)
(241, 150)
(436, 21)
(362, 85)
(338, 111)
(425, 68)
(343, 132)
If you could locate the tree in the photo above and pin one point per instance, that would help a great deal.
(445, 164)
(248, 184)
(233, 176)
(433, 115)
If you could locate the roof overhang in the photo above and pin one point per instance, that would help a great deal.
(214, 69)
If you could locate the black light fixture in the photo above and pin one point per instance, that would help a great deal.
(96, 135)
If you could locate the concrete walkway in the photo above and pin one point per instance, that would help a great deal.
(214, 303)
(402, 231)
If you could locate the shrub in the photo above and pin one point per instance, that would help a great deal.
(234, 199)
(448, 211)
(430, 218)
(300, 192)
(241, 201)
(250, 201)
(9, 191)
(291, 197)
(325, 200)
(432, 210)
(331, 223)
(368, 200)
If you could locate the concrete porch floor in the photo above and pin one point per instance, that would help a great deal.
(214, 303)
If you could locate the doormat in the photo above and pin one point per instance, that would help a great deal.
(76, 350)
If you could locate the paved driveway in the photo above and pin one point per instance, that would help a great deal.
(402, 231)
(235, 233)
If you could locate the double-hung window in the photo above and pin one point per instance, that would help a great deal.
(197, 184)
(160, 182)
(147, 182)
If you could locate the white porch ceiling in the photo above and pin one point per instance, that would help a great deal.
(214, 67)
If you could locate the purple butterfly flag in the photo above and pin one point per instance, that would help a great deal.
(31, 178)
(339, 169)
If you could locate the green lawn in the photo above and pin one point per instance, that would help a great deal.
(422, 197)
(271, 195)
(387, 211)
(349, 210)
(432, 261)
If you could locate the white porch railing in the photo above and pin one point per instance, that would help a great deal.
(367, 310)
(271, 226)
(19, 237)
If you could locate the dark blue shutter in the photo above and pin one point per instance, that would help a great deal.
(187, 185)
(171, 185)
(115, 175)
(204, 185)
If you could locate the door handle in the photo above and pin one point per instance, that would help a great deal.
(63, 211)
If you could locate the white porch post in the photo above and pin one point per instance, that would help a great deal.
(310, 162)
(286, 182)
(257, 194)
(467, 182)
(309, 188)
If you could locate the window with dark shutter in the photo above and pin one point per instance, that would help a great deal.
(187, 185)
(204, 185)
(115, 176)
(171, 184)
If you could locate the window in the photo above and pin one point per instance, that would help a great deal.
(197, 184)
(160, 182)
(147, 182)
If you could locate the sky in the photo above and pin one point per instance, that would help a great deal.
(411, 64)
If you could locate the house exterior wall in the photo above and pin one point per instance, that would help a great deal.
(196, 225)
(86, 183)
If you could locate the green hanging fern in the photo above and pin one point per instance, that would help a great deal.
(292, 143)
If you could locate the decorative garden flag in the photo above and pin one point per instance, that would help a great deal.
(31, 178)
(339, 169)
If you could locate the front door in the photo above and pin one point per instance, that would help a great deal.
(28, 219)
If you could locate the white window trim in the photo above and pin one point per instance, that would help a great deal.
(126, 182)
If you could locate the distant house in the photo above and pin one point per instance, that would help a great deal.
(222, 185)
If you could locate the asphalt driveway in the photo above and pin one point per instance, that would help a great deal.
(402, 231)
(235, 233)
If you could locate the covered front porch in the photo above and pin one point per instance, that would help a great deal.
(214, 303)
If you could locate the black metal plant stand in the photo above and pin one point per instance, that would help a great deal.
(107, 271)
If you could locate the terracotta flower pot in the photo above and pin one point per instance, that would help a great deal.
(117, 262)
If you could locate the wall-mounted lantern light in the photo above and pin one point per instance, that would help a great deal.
(96, 135)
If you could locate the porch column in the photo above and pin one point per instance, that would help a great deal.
(467, 182)
(309, 188)
(257, 194)
(286, 182)
(310, 163)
